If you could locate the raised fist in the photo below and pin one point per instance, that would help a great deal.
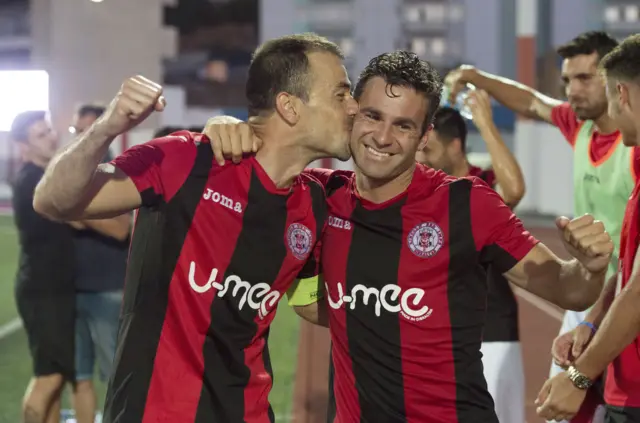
(586, 239)
(137, 99)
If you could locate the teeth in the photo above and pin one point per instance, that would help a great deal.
(376, 152)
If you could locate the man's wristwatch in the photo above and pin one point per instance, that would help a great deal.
(579, 380)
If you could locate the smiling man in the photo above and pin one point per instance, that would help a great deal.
(403, 256)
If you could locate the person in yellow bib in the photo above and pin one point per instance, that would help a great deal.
(604, 171)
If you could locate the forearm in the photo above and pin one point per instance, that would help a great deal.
(315, 313)
(601, 307)
(63, 188)
(117, 228)
(505, 166)
(619, 328)
(512, 94)
(580, 288)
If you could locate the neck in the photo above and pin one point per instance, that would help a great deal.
(28, 158)
(604, 124)
(378, 191)
(461, 169)
(283, 157)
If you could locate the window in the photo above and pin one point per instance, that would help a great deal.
(419, 46)
(430, 12)
(631, 13)
(456, 13)
(346, 44)
(413, 14)
(612, 14)
(435, 12)
(428, 46)
(438, 46)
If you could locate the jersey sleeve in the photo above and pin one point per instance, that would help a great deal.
(566, 120)
(159, 167)
(305, 291)
(500, 236)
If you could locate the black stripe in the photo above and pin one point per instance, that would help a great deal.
(158, 239)
(378, 377)
(466, 285)
(621, 414)
(258, 257)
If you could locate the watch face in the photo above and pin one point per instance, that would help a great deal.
(582, 382)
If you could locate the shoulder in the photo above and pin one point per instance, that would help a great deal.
(175, 143)
(331, 180)
(26, 180)
(563, 112)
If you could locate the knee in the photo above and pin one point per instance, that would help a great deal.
(41, 393)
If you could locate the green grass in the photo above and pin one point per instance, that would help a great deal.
(15, 364)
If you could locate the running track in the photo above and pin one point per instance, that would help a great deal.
(539, 324)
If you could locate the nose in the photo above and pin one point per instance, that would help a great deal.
(382, 135)
(352, 106)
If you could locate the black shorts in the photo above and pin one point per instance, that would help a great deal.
(50, 325)
(622, 415)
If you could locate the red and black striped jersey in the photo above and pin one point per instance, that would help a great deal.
(214, 249)
(622, 386)
(406, 290)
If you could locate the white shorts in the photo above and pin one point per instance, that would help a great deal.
(504, 373)
(570, 321)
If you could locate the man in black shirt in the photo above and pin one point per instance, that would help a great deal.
(101, 254)
(44, 282)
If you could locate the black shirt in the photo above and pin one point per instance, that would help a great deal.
(101, 261)
(46, 247)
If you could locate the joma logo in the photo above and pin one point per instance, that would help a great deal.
(223, 200)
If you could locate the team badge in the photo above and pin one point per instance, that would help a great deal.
(425, 240)
(299, 239)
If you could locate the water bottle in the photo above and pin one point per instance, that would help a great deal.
(459, 104)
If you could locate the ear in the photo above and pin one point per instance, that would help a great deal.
(455, 146)
(425, 138)
(623, 93)
(288, 107)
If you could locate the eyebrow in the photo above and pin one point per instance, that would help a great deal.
(396, 120)
(343, 85)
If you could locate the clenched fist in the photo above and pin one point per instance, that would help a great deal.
(480, 105)
(586, 239)
(137, 99)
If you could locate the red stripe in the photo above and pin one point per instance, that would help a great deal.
(176, 382)
(326, 163)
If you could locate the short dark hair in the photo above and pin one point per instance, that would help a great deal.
(166, 130)
(623, 62)
(19, 131)
(282, 65)
(91, 109)
(404, 69)
(587, 43)
(449, 125)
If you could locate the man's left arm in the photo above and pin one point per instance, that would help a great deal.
(306, 294)
(504, 243)
(118, 228)
(619, 328)
(507, 178)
